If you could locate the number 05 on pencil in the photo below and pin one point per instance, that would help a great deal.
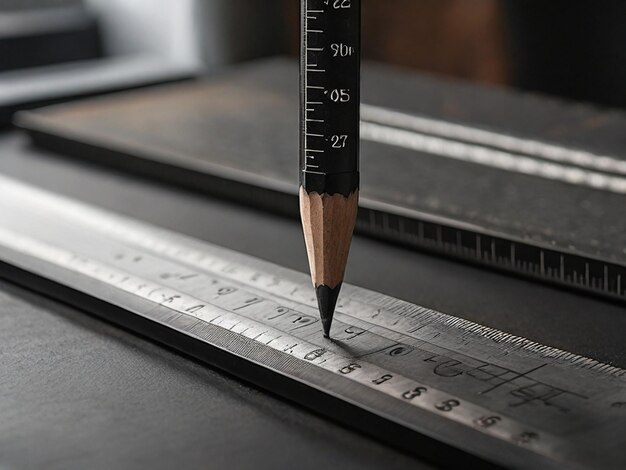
(329, 141)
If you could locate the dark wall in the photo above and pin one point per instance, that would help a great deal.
(570, 48)
(575, 49)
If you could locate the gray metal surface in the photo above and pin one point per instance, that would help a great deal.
(517, 402)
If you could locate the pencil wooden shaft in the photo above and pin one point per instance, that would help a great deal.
(328, 222)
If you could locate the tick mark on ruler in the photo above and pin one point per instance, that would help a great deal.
(517, 376)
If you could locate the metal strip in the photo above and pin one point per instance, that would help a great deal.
(473, 387)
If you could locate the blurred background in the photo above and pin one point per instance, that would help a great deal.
(573, 49)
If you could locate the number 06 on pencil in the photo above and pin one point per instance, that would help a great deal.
(329, 141)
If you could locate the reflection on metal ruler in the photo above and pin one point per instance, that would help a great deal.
(408, 374)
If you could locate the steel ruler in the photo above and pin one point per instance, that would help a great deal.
(419, 379)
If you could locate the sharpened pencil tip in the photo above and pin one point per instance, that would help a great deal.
(326, 301)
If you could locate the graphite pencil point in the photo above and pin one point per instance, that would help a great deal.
(327, 301)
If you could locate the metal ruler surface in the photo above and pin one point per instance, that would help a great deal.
(422, 380)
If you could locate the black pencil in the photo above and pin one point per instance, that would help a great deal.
(329, 142)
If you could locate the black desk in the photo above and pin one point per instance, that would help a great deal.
(79, 393)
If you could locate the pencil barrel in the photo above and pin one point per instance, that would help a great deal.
(330, 96)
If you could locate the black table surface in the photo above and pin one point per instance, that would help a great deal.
(79, 393)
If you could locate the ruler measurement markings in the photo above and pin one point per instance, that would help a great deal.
(557, 270)
(327, 71)
(180, 252)
(176, 252)
(368, 374)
